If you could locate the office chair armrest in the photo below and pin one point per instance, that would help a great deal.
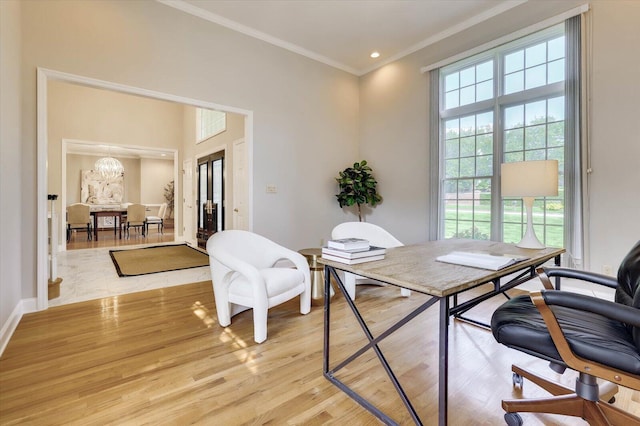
(615, 311)
(591, 277)
(543, 299)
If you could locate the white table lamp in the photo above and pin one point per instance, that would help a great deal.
(530, 179)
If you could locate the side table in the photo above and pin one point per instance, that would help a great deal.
(317, 275)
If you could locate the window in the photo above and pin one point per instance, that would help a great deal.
(507, 104)
(209, 123)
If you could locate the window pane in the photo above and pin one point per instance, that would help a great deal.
(452, 149)
(467, 167)
(514, 82)
(514, 62)
(484, 144)
(539, 154)
(451, 99)
(510, 157)
(534, 137)
(536, 112)
(484, 122)
(468, 76)
(514, 117)
(451, 168)
(452, 81)
(536, 55)
(556, 108)
(452, 128)
(484, 166)
(555, 71)
(484, 71)
(467, 146)
(555, 134)
(555, 49)
(484, 91)
(467, 125)
(514, 140)
(209, 123)
(535, 77)
(467, 95)
(451, 188)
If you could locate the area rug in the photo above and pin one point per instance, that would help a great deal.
(151, 260)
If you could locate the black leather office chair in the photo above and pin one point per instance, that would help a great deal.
(596, 337)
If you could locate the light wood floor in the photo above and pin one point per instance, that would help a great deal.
(159, 357)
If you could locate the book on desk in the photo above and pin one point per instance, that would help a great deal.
(481, 260)
(356, 251)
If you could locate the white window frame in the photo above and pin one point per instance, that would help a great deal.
(497, 104)
(216, 124)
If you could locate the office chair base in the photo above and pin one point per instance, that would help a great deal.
(566, 402)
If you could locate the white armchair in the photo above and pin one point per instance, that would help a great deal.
(376, 236)
(244, 276)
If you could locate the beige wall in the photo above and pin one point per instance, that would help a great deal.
(101, 116)
(111, 118)
(155, 175)
(137, 188)
(12, 260)
(394, 126)
(223, 141)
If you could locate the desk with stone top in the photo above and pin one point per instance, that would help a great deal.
(415, 267)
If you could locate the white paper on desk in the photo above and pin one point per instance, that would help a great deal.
(480, 260)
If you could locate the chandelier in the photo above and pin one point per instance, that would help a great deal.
(109, 167)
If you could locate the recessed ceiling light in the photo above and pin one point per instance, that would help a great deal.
(375, 54)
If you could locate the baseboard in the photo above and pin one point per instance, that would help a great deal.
(24, 306)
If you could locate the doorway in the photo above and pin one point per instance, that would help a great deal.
(44, 76)
(211, 198)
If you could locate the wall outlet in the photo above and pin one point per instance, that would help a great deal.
(607, 270)
(271, 189)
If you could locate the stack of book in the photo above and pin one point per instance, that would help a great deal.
(352, 251)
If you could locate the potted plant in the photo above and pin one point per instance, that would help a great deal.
(357, 186)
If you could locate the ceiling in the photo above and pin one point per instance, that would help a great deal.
(343, 33)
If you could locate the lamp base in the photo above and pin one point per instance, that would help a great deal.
(529, 240)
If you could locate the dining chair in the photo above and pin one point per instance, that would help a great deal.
(136, 215)
(78, 218)
(377, 236)
(157, 220)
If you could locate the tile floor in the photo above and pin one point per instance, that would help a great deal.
(89, 274)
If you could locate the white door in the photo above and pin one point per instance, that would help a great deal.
(187, 202)
(240, 186)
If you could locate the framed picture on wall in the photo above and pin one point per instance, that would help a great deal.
(97, 190)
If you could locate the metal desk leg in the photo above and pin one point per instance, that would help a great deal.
(443, 362)
(327, 306)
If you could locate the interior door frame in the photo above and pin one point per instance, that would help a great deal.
(44, 75)
(219, 149)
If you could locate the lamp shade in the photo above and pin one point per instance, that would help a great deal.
(530, 178)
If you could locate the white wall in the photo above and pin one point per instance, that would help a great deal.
(11, 224)
(394, 126)
(305, 113)
(155, 175)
